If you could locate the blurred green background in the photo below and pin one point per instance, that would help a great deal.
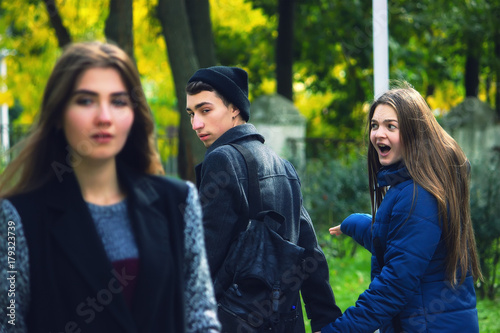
(317, 54)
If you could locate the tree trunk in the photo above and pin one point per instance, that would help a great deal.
(471, 75)
(497, 71)
(431, 88)
(472, 67)
(62, 34)
(198, 12)
(119, 25)
(180, 51)
(284, 48)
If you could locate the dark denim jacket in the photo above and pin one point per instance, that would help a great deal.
(223, 183)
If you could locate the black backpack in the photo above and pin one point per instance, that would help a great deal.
(257, 287)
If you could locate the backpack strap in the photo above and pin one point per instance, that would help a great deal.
(255, 207)
(254, 199)
(379, 254)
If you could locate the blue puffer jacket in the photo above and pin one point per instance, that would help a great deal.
(412, 282)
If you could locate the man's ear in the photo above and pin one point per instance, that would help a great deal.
(235, 111)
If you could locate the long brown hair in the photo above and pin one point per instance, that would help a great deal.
(437, 163)
(44, 153)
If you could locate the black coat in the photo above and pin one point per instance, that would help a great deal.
(73, 284)
(223, 183)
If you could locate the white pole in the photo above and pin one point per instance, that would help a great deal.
(380, 47)
(4, 118)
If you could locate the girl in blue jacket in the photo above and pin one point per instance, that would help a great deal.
(424, 260)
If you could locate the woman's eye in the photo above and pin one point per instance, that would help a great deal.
(84, 101)
(373, 126)
(392, 126)
(120, 102)
(205, 110)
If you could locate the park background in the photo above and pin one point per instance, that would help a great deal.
(318, 54)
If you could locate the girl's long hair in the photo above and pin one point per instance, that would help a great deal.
(437, 163)
(44, 153)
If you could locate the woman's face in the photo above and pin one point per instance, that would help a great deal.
(384, 135)
(98, 116)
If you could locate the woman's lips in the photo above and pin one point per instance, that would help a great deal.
(102, 137)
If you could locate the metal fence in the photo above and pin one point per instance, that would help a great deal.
(168, 147)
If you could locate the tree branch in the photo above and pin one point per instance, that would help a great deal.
(63, 36)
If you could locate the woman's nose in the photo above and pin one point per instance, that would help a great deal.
(104, 115)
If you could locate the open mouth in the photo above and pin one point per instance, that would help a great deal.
(384, 149)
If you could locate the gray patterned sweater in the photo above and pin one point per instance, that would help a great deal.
(200, 307)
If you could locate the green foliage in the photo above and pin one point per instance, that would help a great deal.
(333, 189)
(488, 312)
(332, 57)
(245, 40)
(412, 26)
(247, 50)
(429, 41)
(349, 276)
(35, 50)
(485, 212)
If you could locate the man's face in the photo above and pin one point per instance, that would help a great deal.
(210, 118)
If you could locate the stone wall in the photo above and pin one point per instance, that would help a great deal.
(282, 125)
(473, 125)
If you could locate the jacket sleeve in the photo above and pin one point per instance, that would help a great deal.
(412, 238)
(14, 267)
(221, 198)
(316, 290)
(200, 306)
(358, 226)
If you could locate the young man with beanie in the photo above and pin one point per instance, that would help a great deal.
(217, 102)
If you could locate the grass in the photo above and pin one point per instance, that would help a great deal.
(350, 276)
(489, 312)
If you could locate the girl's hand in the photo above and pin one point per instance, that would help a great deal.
(335, 231)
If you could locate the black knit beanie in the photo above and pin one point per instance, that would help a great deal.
(230, 82)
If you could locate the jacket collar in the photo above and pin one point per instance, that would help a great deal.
(65, 189)
(235, 134)
(392, 174)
